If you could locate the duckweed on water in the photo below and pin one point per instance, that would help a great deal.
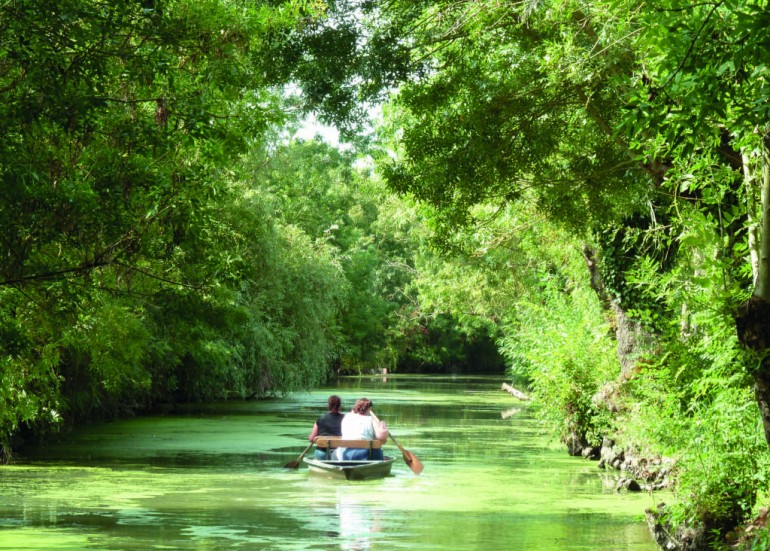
(212, 477)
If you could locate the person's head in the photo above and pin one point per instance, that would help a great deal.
(362, 406)
(334, 403)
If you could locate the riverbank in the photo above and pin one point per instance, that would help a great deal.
(657, 474)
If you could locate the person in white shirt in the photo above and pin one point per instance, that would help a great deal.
(360, 425)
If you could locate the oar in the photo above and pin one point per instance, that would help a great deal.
(294, 464)
(409, 458)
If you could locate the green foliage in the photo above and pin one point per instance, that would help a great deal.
(103, 358)
(268, 325)
(623, 247)
(724, 467)
(558, 343)
(130, 256)
(693, 402)
(705, 70)
(315, 187)
(760, 540)
(378, 242)
(595, 113)
(342, 58)
(446, 344)
(29, 384)
(484, 129)
(157, 246)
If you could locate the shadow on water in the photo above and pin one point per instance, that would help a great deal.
(212, 477)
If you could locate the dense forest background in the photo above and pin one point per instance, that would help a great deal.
(577, 192)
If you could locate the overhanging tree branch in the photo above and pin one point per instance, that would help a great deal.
(691, 47)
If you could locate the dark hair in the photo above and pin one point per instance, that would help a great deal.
(362, 405)
(334, 403)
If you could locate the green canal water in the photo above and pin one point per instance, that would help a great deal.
(213, 477)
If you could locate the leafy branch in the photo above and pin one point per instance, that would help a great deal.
(691, 46)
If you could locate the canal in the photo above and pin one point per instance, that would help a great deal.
(212, 477)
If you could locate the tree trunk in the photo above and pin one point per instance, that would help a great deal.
(751, 211)
(762, 392)
(753, 319)
(762, 285)
(753, 325)
(633, 340)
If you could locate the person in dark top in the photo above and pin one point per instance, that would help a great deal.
(329, 424)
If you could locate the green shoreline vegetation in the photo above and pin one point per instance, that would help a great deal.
(572, 192)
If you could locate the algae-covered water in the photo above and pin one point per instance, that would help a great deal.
(213, 477)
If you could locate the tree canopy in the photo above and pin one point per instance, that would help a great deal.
(580, 188)
(641, 131)
(136, 265)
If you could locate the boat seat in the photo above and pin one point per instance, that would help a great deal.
(332, 442)
(338, 442)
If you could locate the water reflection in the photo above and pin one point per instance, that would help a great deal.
(505, 414)
(352, 523)
(359, 524)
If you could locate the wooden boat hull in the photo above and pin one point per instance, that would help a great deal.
(350, 470)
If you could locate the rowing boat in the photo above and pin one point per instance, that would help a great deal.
(350, 470)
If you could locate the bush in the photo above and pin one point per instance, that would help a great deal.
(724, 468)
(563, 348)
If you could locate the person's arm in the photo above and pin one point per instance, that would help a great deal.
(381, 431)
(380, 428)
(313, 433)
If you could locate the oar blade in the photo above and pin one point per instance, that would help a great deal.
(411, 460)
(294, 464)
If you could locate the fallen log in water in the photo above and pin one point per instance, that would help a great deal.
(516, 393)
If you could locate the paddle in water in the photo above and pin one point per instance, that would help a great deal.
(409, 458)
(294, 464)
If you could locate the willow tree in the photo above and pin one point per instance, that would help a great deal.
(645, 122)
(123, 260)
(516, 103)
(702, 103)
(316, 187)
(596, 113)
